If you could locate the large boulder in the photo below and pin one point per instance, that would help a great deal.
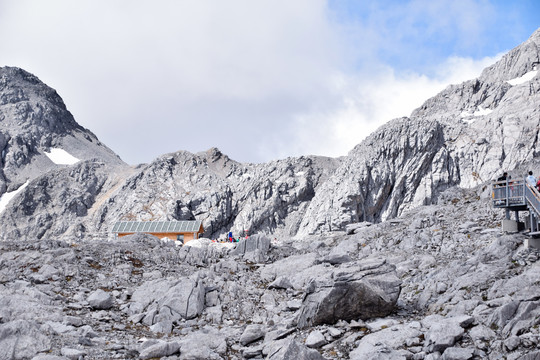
(359, 290)
(158, 348)
(167, 300)
(100, 300)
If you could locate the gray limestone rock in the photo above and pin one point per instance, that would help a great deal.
(207, 343)
(100, 300)
(530, 356)
(72, 354)
(160, 349)
(22, 339)
(280, 283)
(443, 333)
(252, 333)
(315, 339)
(365, 289)
(253, 243)
(290, 349)
(171, 299)
(512, 343)
(384, 344)
(455, 353)
(58, 202)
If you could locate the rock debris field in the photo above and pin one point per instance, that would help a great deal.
(428, 285)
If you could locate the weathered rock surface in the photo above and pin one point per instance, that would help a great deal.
(290, 349)
(253, 249)
(159, 350)
(21, 339)
(59, 202)
(362, 290)
(100, 300)
(224, 194)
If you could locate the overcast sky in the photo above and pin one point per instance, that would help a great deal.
(260, 80)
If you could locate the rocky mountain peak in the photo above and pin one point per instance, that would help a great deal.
(214, 154)
(517, 62)
(463, 136)
(26, 102)
(37, 132)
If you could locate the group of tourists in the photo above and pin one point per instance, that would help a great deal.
(531, 180)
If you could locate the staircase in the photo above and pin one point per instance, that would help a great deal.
(518, 195)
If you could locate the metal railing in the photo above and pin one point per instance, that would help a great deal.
(508, 193)
(533, 198)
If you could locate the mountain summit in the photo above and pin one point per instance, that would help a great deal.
(37, 132)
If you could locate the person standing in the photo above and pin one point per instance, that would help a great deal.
(531, 180)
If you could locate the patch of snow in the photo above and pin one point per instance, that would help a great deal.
(199, 243)
(300, 173)
(482, 112)
(246, 175)
(6, 198)
(61, 157)
(204, 242)
(523, 79)
(468, 117)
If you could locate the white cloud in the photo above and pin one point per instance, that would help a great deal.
(260, 80)
(367, 102)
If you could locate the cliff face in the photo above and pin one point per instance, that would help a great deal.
(464, 136)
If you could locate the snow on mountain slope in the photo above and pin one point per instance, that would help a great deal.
(6, 197)
(61, 157)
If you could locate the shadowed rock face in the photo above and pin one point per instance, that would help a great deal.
(363, 290)
(56, 202)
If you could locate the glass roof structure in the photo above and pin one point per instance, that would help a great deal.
(157, 226)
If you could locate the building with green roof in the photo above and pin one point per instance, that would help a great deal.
(183, 231)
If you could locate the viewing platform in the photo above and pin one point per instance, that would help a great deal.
(515, 196)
